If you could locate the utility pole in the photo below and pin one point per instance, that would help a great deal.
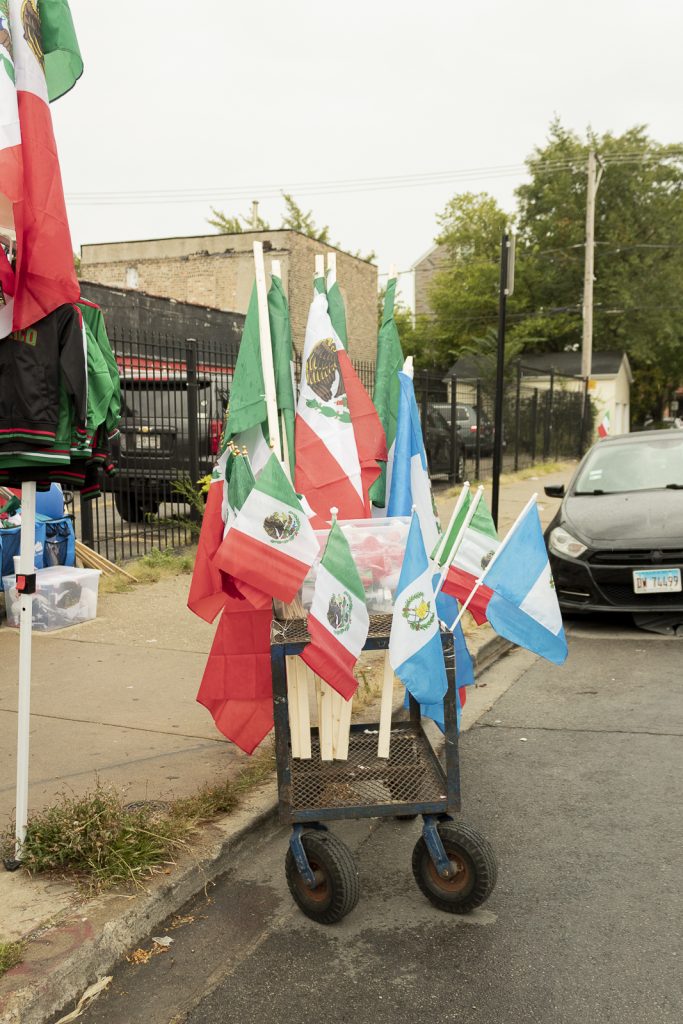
(594, 177)
(254, 215)
(505, 290)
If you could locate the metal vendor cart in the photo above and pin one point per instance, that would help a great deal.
(452, 863)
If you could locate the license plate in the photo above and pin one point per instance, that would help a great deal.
(656, 581)
(147, 441)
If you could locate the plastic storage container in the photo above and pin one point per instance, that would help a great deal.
(64, 596)
(378, 547)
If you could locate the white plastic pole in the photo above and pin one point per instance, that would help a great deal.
(320, 265)
(26, 568)
(275, 269)
(392, 271)
(408, 367)
(331, 269)
(497, 553)
(266, 350)
(436, 553)
(458, 540)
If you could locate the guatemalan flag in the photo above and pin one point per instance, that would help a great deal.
(519, 593)
(410, 483)
(415, 651)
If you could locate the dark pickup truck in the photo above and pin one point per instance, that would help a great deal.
(153, 449)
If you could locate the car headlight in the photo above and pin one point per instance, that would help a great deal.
(562, 543)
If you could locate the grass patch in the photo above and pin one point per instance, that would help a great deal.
(99, 842)
(151, 568)
(11, 954)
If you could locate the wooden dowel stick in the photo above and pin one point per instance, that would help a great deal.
(293, 705)
(386, 709)
(342, 753)
(303, 674)
(326, 753)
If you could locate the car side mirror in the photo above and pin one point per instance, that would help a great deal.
(554, 490)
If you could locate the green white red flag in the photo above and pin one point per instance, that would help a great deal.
(387, 391)
(32, 198)
(270, 545)
(339, 438)
(472, 554)
(338, 621)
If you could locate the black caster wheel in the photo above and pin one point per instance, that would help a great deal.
(475, 863)
(334, 867)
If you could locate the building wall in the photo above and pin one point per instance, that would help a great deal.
(423, 272)
(127, 312)
(218, 271)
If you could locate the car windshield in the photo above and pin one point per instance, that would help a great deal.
(163, 400)
(646, 465)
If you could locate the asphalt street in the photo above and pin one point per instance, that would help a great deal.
(575, 778)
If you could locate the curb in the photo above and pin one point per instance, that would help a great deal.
(80, 950)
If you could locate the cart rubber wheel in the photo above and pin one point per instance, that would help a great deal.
(475, 860)
(336, 872)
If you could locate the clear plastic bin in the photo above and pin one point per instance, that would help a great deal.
(64, 596)
(378, 547)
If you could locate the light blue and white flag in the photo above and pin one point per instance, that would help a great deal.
(410, 483)
(415, 651)
(522, 603)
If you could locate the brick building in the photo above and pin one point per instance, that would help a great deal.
(218, 271)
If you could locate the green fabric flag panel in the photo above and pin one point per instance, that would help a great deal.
(387, 386)
(335, 305)
(283, 363)
(63, 61)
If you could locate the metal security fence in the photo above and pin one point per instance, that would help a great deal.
(174, 396)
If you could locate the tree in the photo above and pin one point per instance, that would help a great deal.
(463, 295)
(638, 256)
(296, 220)
(226, 225)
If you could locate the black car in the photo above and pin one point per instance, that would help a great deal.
(153, 450)
(616, 542)
(469, 426)
(437, 439)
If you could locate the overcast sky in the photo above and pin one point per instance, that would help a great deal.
(254, 96)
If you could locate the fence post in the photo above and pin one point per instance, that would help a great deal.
(192, 414)
(534, 425)
(424, 397)
(548, 418)
(477, 442)
(518, 412)
(454, 431)
(87, 526)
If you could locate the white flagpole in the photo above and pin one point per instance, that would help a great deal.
(478, 494)
(501, 547)
(267, 350)
(276, 271)
(26, 568)
(331, 269)
(320, 265)
(436, 553)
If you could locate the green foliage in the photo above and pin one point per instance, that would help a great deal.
(296, 220)
(226, 225)
(95, 837)
(11, 954)
(638, 261)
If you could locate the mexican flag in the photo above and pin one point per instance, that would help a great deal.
(387, 390)
(335, 303)
(338, 621)
(236, 687)
(339, 437)
(270, 545)
(32, 206)
(63, 61)
(239, 481)
(603, 426)
(472, 555)
(247, 418)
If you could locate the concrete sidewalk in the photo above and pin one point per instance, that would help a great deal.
(114, 699)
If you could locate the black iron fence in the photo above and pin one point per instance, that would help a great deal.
(174, 395)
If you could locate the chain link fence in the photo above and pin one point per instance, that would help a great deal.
(174, 396)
